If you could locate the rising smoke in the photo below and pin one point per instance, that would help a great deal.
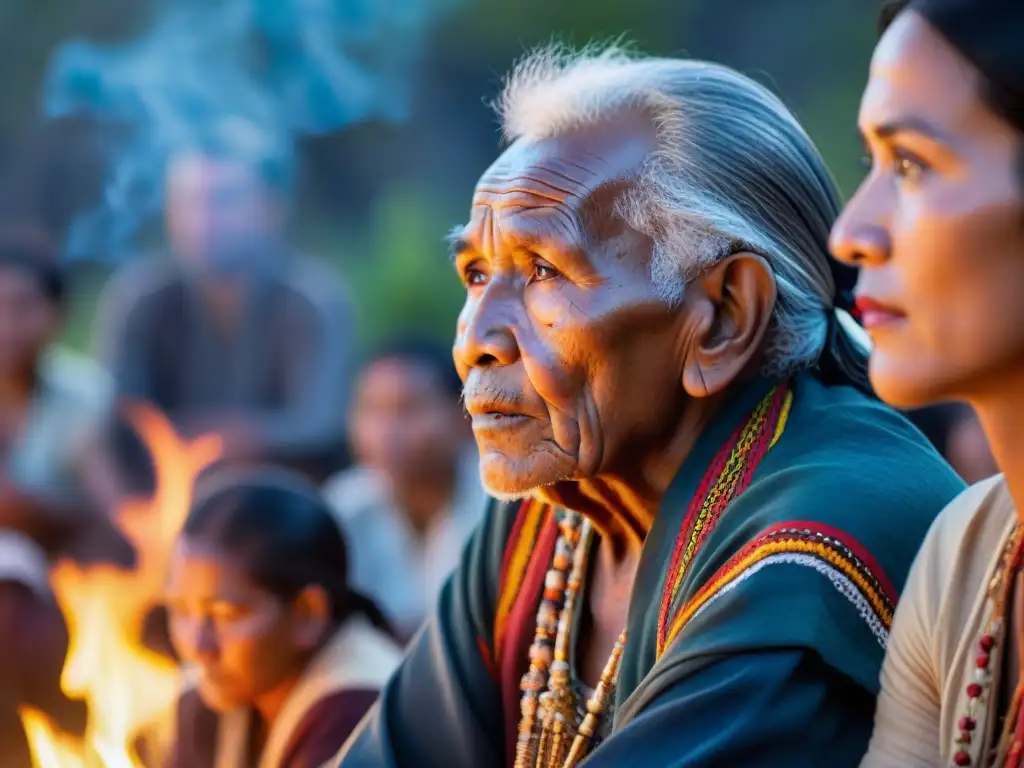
(284, 68)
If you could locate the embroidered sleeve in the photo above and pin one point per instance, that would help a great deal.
(800, 585)
(835, 557)
(770, 708)
(726, 478)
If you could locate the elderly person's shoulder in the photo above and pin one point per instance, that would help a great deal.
(849, 464)
(825, 532)
(856, 472)
(873, 469)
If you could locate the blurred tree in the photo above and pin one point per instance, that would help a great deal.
(410, 283)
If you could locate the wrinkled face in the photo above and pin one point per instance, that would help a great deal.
(403, 422)
(29, 320)
(241, 639)
(220, 217)
(566, 351)
(937, 226)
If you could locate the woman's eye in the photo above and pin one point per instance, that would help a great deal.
(909, 166)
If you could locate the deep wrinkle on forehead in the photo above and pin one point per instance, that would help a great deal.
(536, 193)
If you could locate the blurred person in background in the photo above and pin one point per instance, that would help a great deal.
(235, 333)
(284, 657)
(56, 485)
(415, 496)
(55, 488)
(937, 230)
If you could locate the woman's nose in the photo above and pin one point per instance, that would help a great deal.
(860, 236)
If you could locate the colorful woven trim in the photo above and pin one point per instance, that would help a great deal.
(728, 475)
(518, 549)
(848, 566)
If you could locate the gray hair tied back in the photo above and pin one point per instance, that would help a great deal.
(845, 358)
(732, 168)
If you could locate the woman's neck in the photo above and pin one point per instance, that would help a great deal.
(622, 506)
(1002, 418)
(268, 705)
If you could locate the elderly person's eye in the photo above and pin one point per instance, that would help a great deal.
(543, 271)
(473, 276)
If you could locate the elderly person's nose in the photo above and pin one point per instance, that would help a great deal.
(485, 337)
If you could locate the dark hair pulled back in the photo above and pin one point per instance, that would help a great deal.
(279, 528)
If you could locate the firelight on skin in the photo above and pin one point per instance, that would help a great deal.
(649, 346)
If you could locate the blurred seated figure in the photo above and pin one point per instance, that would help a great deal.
(284, 658)
(54, 492)
(56, 485)
(415, 495)
(234, 332)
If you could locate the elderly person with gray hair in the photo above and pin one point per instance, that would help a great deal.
(703, 517)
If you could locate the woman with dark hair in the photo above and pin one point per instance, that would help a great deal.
(937, 228)
(284, 657)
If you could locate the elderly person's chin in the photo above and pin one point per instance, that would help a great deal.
(508, 474)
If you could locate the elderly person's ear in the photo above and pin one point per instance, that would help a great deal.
(729, 309)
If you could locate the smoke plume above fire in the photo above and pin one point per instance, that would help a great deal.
(283, 69)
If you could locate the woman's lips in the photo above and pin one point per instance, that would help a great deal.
(876, 314)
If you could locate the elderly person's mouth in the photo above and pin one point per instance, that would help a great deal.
(496, 413)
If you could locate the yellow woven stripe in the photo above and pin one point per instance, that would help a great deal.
(774, 547)
(787, 404)
(724, 485)
(517, 566)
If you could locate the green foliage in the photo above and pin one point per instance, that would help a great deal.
(404, 281)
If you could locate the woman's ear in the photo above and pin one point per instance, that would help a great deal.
(312, 611)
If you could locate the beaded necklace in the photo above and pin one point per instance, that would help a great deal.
(553, 733)
(1011, 739)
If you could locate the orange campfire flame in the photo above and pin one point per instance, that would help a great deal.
(129, 690)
